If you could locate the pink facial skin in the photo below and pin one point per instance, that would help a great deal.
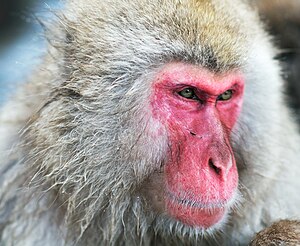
(201, 177)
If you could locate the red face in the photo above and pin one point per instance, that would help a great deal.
(199, 109)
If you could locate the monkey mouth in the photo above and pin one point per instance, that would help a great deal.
(195, 213)
(194, 203)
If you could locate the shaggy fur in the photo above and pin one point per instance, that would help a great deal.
(74, 173)
(285, 232)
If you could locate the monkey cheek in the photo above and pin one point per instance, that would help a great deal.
(153, 190)
(193, 216)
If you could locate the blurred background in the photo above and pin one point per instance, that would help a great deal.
(21, 39)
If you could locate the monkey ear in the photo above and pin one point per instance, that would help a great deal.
(282, 20)
(284, 232)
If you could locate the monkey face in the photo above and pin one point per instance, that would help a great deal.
(199, 110)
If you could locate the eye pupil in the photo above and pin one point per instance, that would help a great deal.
(225, 96)
(187, 93)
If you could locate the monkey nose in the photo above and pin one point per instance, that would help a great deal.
(220, 167)
(213, 167)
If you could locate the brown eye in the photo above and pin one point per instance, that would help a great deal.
(225, 96)
(187, 93)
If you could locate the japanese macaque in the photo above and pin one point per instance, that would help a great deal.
(150, 123)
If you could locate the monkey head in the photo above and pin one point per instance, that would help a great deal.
(143, 123)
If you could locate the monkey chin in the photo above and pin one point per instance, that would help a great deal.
(204, 216)
(195, 214)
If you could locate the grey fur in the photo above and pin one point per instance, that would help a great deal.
(85, 147)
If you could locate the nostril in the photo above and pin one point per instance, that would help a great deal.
(212, 166)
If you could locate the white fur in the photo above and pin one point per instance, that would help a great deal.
(70, 180)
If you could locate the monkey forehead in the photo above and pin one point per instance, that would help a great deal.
(213, 33)
(184, 74)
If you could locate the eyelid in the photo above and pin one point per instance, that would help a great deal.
(232, 94)
(180, 90)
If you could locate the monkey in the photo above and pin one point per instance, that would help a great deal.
(150, 123)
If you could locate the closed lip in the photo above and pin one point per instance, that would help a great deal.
(183, 200)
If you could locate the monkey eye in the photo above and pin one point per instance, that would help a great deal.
(188, 93)
(225, 96)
